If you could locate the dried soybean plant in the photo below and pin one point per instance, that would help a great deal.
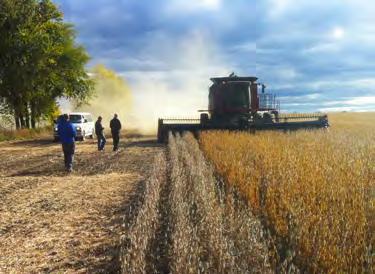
(212, 234)
(212, 231)
(315, 191)
(134, 253)
(185, 241)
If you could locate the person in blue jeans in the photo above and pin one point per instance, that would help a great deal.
(99, 130)
(67, 134)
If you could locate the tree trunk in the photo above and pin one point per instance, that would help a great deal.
(33, 122)
(33, 115)
(17, 120)
(27, 118)
(27, 115)
(22, 120)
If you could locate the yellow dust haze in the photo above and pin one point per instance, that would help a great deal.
(112, 95)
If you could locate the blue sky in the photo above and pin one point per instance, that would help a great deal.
(316, 55)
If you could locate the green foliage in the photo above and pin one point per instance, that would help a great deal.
(39, 60)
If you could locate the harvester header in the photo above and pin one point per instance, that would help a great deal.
(235, 103)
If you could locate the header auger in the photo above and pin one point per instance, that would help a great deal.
(235, 103)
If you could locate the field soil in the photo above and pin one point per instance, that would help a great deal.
(51, 221)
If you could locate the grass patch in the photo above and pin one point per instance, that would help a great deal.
(24, 134)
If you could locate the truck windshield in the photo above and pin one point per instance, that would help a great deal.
(75, 118)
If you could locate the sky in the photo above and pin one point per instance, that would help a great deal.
(315, 55)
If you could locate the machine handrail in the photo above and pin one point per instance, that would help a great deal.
(180, 120)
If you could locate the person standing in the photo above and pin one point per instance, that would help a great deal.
(99, 130)
(115, 126)
(67, 134)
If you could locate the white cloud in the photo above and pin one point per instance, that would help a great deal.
(348, 108)
(279, 7)
(352, 101)
(245, 47)
(361, 101)
(183, 6)
(287, 73)
(302, 98)
(323, 48)
(336, 109)
(331, 103)
(330, 40)
(360, 83)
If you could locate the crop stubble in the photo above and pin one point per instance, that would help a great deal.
(53, 222)
(210, 231)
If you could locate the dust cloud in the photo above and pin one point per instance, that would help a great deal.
(174, 79)
(112, 94)
(171, 80)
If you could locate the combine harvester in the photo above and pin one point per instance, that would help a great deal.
(234, 103)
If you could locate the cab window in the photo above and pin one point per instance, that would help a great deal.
(75, 118)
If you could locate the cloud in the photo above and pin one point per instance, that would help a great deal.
(279, 7)
(361, 101)
(182, 6)
(298, 48)
(247, 46)
(346, 108)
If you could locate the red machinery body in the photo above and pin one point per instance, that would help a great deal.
(235, 103)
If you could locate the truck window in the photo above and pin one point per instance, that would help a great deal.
(75, 118)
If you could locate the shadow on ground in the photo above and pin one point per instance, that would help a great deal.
(87, 160)
(144, 143)
(33, 143)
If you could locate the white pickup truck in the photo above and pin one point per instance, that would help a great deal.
(83, 123)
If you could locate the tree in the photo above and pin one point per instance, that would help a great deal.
(39, 60)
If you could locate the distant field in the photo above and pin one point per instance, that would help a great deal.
(357, 121)
(314, 190)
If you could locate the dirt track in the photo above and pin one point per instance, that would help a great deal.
(51, 221)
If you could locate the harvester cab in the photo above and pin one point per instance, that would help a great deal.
(240, 103)
(235, 102)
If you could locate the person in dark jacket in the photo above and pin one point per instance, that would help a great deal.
(115, 126)
(67, 134)
(99, 130)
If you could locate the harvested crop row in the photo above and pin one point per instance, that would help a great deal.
(209, 229)
(135, 251)
(315, 191)
(213, 232)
